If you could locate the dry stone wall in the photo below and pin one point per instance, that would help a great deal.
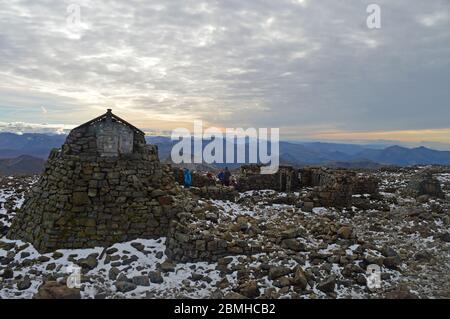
(81, 203)
(365, 184)
(202, 236)
(103, 139)
(285, 180)
(336, 187)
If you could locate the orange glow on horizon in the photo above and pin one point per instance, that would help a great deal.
(430, 135)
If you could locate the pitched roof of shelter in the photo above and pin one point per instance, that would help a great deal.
(112, 117)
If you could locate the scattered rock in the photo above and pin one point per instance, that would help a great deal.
(167, 266)
(155, 277)
(24, 254)
(24, 284)
(141, 281)
(392, 262)
(250, 289)
(423, 255)
(345, 232)
(88, 263)
(125, 286)
(292, 244)
(234, 295)
(196, 277)
(282, 282)
(8, 273)
(278, 271)
(113, 273)
(328, 285)
(56, 255)
(138, 246)
(445, 237)
(43, 259)
(300, 278)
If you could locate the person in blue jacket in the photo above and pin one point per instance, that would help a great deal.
(187, 178)
(221, 177)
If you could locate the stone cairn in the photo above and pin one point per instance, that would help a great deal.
(104, 186)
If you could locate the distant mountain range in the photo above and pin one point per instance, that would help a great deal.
(38, 146)
(342, 155)
(23, 164)
(34, 144)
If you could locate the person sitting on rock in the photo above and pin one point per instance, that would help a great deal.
(187, 178)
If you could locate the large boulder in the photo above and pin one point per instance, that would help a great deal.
(55, 290)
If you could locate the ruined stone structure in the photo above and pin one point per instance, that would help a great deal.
(424, 184)
(334, 190)
(330, 187)
(334, 187)
(105, 185)
(365, 184)
(285, 180)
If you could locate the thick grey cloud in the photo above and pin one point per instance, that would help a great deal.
(304, 66)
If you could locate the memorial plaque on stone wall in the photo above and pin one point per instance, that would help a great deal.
(114, 139)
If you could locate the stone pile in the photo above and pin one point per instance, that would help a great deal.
(203, 236)
(87, 198)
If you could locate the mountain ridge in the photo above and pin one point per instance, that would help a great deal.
(24, 164)
(39, 145)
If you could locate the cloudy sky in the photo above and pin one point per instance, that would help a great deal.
(310, 67)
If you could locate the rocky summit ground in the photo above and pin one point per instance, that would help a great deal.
(323, 253)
